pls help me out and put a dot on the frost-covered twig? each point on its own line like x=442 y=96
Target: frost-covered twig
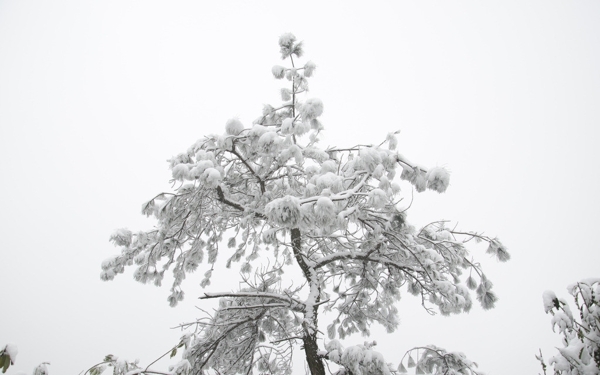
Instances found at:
x=292 y=303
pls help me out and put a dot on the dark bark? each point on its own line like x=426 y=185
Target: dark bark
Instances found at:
x=297 y=249
x=311 y=348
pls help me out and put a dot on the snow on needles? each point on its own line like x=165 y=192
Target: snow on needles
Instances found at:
x=438 y=179
x=311 y=109
x=285 y=211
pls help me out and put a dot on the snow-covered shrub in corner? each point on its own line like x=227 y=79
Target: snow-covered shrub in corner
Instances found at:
x=580 y=331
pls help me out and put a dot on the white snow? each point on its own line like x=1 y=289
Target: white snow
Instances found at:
x=234 y=126
x=548 y=297
x=287 y=126
x=211 y=177
x=180 y=172
x=392 y=141
x=278 y=71
x=121 y=237
x=330 y=181
x=311 y=109
x=284 y=211
x=286 y=39
x=438 y=179
x=309 y=68
x=378 y=198
x=269 y=142
x=368 y=159
x=12 y=351
x=286 y=94
x=324 y=211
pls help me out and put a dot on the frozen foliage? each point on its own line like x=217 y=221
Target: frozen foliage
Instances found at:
x=580 y=354
x=311 y=109
x=285 y=212
x=333 y=214
x=437 y=361
x=438 y=179
x=8 y=356
x=358 y=359
x=309 y=68
x=121 y=366
x=234 y=127
x=42 y=369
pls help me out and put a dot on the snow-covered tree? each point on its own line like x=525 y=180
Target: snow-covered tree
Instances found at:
x=268 y=197
x=580 y=354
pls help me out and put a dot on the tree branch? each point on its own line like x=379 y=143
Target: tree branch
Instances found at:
x=293 y=303
x=266 y=306
x=222 y=199
x=260 y=181
x=360 y=256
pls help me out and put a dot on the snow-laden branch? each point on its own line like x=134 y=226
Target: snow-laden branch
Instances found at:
x=293 y=303
x=342 y=195
x=223 y=199
x=260 y=306
x=361 y=256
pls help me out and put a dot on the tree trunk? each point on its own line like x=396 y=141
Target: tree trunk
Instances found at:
x=315 y=363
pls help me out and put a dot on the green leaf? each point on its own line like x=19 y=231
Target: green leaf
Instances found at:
x=173 y=352
x=6 y=359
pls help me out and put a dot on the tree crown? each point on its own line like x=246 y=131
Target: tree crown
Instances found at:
x=270 y=191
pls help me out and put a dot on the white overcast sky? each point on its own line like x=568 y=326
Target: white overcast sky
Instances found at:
x=96 y=95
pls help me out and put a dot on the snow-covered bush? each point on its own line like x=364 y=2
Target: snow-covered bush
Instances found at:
x=330 y=216
x=580 y=354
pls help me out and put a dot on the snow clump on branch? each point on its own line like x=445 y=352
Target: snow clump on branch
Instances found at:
x=324 y=211
x=438 y=179
x=289 y=47
x=234 y=127
x=358 y=359
x=309 y=68
x=285 y=211
x=278 y=71
x=311 y=109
